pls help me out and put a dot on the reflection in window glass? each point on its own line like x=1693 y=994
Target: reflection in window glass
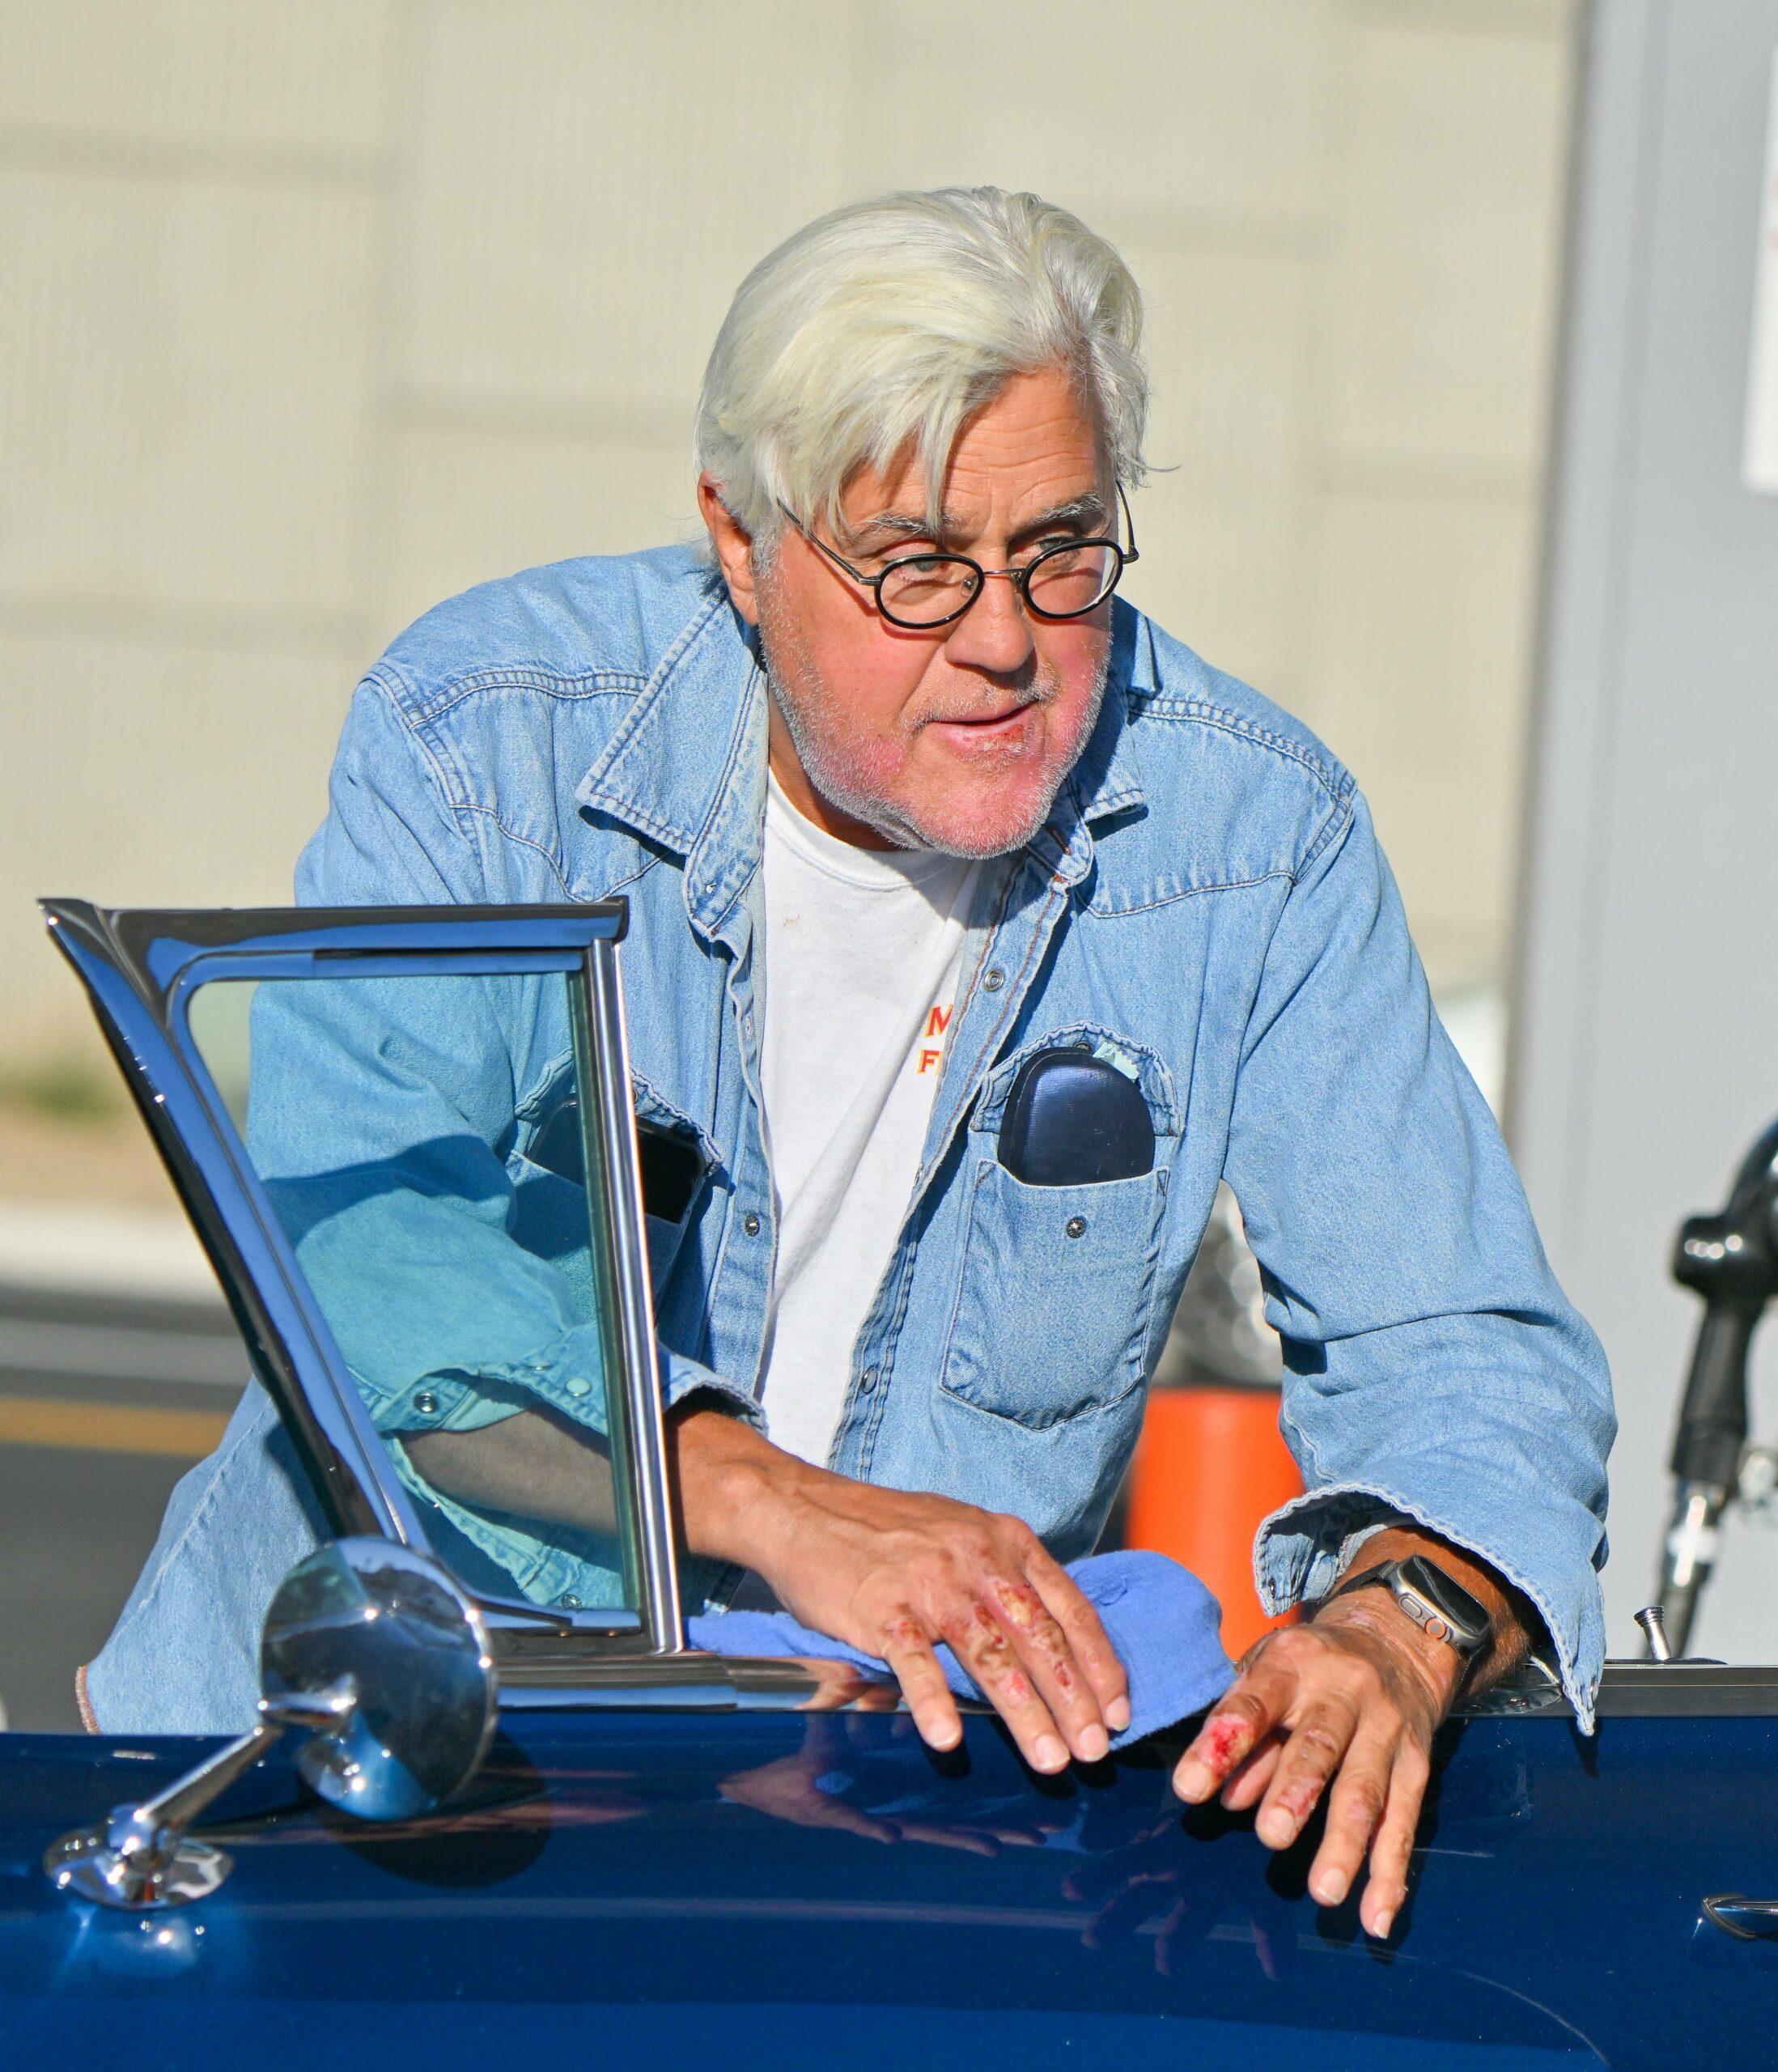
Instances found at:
x=419 y=1139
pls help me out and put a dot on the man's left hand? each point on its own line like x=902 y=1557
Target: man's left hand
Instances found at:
x=1354 y=1696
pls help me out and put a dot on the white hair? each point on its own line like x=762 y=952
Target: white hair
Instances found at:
x=875 y=331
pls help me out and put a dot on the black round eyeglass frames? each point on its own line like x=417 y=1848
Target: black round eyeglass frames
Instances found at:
x=921 y=591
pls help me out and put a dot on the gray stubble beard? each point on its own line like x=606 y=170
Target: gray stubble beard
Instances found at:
x=839 y=787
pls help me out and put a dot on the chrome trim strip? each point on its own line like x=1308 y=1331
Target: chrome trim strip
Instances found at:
x=620 y=1167
x=1645 y=1690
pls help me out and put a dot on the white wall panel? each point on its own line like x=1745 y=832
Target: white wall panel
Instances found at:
x=1418 y=645
x=1442 y=268
x=185 y=384
x=143 y=774
x=261 y=75
x=1211 y=107
x=589 y=182
x=1220 y=522
x=470 y=503
x=315 y=314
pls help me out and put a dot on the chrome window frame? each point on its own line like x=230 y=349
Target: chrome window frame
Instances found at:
x=141 y=969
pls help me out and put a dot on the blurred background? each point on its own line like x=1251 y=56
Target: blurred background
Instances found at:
x=314 y=315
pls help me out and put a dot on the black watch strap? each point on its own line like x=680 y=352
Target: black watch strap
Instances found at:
x=1437 y=1602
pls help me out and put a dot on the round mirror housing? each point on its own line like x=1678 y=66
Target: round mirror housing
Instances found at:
x=376 y=1649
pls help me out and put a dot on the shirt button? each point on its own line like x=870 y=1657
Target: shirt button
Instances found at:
x=868 y=1380
x=568 y=1601
x=427 y=1403
x=1076 y=1226
x=579 y=1385
x=993 y=979
x=750 y=1224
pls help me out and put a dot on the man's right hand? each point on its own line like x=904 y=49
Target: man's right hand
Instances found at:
x=894 y=1572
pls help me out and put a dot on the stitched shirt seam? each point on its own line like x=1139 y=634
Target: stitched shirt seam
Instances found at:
x=1197 y=891
x=1335 y=784
x=525 y=675
x=524 y=841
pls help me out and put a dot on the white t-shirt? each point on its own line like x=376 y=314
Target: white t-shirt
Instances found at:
x=863 y=950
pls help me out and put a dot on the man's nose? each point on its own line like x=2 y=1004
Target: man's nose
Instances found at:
x=994 y=634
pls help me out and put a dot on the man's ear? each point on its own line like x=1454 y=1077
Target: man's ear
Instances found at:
x=733 y=547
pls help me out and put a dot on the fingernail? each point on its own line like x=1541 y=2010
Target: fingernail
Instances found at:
x=1118 y=1713
x=1276 y=1828
x=1329 y=1889
x=1193 y=1780
x=1095 y=1744
x=1050 y=1754
x=1384 y=1923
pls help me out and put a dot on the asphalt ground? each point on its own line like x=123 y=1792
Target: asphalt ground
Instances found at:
x=105 y=1401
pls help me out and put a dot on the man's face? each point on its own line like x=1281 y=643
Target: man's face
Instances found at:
x=955 y=737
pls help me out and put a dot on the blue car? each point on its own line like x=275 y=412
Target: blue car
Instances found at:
x=477 y=1817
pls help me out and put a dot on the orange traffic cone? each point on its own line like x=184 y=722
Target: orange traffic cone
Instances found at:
x=1209 y=1466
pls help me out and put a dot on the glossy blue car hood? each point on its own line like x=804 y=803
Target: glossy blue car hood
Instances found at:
x=778 y=1889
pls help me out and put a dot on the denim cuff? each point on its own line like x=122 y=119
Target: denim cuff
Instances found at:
x=1302 y=1548
x=566 y=1375
x=683 y=1379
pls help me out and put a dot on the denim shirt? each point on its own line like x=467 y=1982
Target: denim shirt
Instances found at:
x=1207 y=904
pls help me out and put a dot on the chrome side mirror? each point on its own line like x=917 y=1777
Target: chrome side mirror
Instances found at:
x=375 y=1650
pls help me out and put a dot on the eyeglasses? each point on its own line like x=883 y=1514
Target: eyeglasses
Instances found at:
x=920 y=591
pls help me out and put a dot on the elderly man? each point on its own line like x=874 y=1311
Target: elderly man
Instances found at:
x=916 y=819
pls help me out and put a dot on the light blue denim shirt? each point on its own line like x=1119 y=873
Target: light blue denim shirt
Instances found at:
x=1207 y=905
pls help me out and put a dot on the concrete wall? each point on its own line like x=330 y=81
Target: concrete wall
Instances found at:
x=313 y=314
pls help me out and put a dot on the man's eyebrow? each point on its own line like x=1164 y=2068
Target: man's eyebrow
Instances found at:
x=1086 y=514
x=889 y=525
x=1089 y=513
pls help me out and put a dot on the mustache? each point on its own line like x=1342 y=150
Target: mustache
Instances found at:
x=991 y=706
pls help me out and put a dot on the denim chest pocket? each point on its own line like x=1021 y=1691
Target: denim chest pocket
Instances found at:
x=1055 y=1295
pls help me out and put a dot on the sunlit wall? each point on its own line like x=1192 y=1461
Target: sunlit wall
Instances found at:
x=315 y=313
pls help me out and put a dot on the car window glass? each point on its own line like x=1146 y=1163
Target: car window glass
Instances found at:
x=419 y=1141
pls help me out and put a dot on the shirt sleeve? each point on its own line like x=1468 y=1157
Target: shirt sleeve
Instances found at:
x=469 y=1326
x=1433 y=1367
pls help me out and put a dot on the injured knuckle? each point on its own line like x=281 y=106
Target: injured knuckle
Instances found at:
x=1243 y=1707
x=900 y=1630
x=975 y=1636
x=1316 y=1742
x=1019 y=1605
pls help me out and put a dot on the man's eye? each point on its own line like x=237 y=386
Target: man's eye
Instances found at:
x=1048 y=546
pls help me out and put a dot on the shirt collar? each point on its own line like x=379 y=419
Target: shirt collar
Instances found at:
x=1106 y=783
x=662 y=772
x=686 y=767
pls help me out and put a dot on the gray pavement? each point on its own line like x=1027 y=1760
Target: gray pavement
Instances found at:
x=105 y=1401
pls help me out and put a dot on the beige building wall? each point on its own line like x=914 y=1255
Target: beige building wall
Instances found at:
x=313 y=314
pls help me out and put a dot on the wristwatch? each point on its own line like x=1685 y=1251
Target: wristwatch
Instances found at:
x=1440 y=1607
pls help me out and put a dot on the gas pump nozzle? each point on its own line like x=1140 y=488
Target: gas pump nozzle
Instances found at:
x=1731 y=1260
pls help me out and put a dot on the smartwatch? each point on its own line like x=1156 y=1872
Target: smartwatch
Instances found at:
x=1440 y=1607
